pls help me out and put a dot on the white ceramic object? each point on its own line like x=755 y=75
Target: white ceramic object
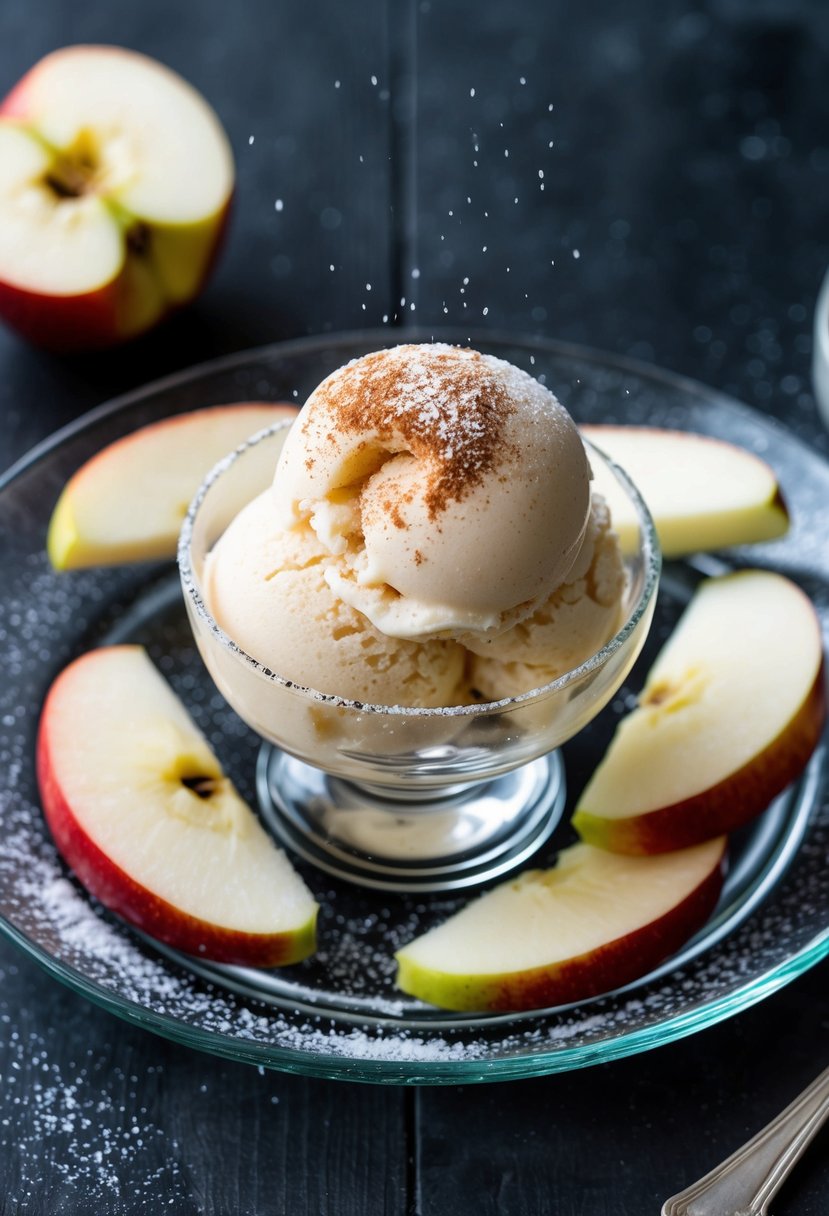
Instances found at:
x=820 y=356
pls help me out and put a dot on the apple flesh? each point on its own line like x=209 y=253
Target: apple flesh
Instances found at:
x=127 y=503
x=140 y=810
x=116 y=178
x=594 y=922
x=730 y=713
x=703 y=493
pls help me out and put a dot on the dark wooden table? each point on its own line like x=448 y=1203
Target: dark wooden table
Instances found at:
x=654 y=183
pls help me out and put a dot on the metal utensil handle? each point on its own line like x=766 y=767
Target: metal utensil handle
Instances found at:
x=745 y=1183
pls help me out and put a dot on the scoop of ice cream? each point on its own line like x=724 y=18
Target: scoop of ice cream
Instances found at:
x=267 y=589
x=451 y=487
x=572 y=624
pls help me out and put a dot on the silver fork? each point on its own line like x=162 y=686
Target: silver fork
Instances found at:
x=747 y=1181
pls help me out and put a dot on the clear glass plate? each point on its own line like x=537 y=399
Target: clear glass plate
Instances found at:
x=339 y=1014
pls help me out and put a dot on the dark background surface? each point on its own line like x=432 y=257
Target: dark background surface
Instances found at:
x=671 y=172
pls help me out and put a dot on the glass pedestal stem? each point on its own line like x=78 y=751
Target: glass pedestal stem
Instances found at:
x=445 y=840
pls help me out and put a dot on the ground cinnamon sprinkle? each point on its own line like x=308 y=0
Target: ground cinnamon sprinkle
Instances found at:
x=444 y=404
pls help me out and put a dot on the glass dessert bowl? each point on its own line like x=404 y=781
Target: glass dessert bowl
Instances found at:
x=394 y=796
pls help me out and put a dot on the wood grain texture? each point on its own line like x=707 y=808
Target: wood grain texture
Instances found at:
x=643 y=183
x=689 y=168
x=299 y=83
x=618 y=1139
x=96 y=1115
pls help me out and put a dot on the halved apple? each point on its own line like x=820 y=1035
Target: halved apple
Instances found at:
x=592 y=923
x=127 y=503
x=115 y=183
x=141 y=811
x=730 y=713
x=703 y=493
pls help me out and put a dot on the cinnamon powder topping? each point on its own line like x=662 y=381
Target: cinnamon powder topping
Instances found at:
x=446 y=405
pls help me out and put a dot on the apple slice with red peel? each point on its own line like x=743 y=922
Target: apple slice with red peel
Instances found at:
x=141 y=811
x=115 y=184
x=731 y=711
x=127 y=503
x=595 y=921
x=703 y=493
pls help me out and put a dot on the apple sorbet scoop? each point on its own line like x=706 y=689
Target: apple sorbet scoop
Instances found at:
x=428 y=501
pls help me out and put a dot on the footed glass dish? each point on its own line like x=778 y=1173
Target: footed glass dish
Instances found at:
x=393 y=796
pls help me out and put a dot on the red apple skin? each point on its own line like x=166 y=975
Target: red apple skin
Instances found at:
x=138 y=906
x=66 y=324
x=613 y=965
x=63 y=323
x=14 y=104
x=730 y=804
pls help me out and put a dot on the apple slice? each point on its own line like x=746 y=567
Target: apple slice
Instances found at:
x=730 y=713
x=115 y=184
x=140 y=810
x=127 y=503
x=592 y=923
x=703 y=493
